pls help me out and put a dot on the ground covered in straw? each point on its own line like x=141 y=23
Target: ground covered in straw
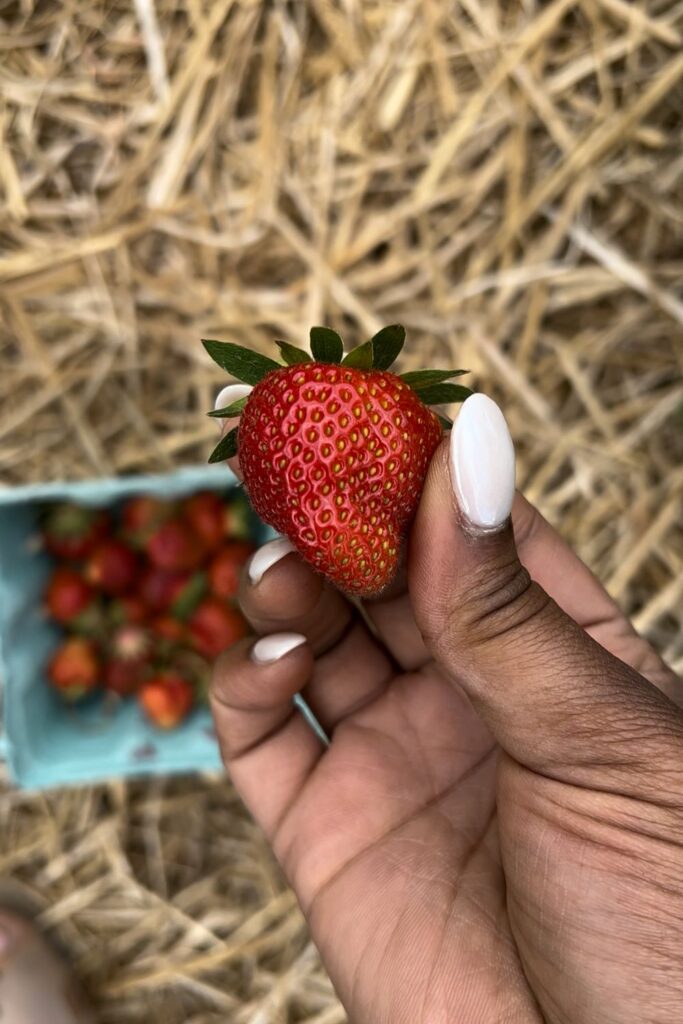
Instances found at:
x=502 y=178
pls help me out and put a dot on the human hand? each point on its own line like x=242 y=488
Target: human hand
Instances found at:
x=495 y=832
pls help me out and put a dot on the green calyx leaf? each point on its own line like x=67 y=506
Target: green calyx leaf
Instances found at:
x=190 y=596
x=442 y=394
x=291 y=354
x=226 y=447
x=230 y=410
x=387 y=345
x=444 y=421
x=360 y=358
x=326 y=345
x=422 y=378
x=247 y=366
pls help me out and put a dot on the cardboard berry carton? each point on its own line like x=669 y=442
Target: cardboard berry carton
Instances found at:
x=44 y=741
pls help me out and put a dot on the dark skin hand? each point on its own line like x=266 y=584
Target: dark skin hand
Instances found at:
x=495 y=833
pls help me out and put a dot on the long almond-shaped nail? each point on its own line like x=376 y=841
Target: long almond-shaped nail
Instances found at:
x=267 y=556
x=483 y=463
x=271 y=648
x=228 y=395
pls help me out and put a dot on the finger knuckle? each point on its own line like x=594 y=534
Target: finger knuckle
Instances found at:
x=498 y=602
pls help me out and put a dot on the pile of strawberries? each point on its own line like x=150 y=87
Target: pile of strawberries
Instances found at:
x=145 y=595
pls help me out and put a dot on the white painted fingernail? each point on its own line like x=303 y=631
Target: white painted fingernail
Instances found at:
x=228 y=395
x=483 y=463
x=271 y=648
x=266 y=557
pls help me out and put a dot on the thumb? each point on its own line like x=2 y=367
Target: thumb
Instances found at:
x=554 y=698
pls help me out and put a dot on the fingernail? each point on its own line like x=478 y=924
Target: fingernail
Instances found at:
x=228 y=395
x=483 y=463
x=271 y=648
x=266 y=557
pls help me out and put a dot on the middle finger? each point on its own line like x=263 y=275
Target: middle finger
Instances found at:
x=351 y=667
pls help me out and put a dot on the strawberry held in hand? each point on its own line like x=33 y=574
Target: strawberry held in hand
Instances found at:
x=334 y=451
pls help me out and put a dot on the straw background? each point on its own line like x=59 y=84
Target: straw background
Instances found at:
x=505 y=179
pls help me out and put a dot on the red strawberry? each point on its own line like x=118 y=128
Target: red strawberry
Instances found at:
x=67 y=595
x=129 y=609
x=167 y=628
x=205 y=512
x=215 y=626
x=167 y=699
x=226 y=567
x=71 y=531
x=346 y=455
x=112 y=566
x=197 y=670
x=123 y=676
x=175 y=547
x=129 y=660
x=180 y=592
x=159 y=588
x=141 y=516
x=74 y=668
x=335 y=456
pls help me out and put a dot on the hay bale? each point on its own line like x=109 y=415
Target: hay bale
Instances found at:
x=504 y=179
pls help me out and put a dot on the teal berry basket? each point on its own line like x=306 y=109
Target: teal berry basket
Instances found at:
x=46 y=743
